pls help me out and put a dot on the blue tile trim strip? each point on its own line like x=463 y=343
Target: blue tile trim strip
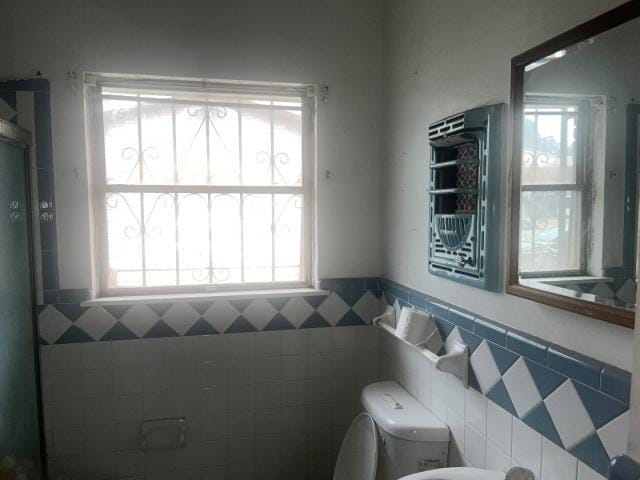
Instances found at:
x=603 y=390
x=347 y=304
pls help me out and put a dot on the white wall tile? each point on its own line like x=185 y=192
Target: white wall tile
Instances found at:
x=61 y=386
x=242 y=371
x=99 y=438
x=97 y=383
x=269 y=343
x=242 y=450
x=68 y=441
x=557 y=463
x=61 y=358
x=268 y=421
x=239 y=409
x=294 y=367
x=71 y=467
x=294 y=342
x=129 y=463
x=424 y=382
x=268 y=395
x=268 y=369
x=128 y=436
x=456 y=425
x=127 y=408
x=126 y=353
x=526 y=447
x=497 y=459
x=439 y=406
x=456 y=394
x=474 y=446
x=586 y=473
x=66 y=414
x=499 y=425
x=100 y=466
x=476 y=410
x=241 y=344
x=95 y=355
x=127 y=380
x=242 y=424
x=211 y=348
x=215 y=400
x=97 y=411
x=215 y=426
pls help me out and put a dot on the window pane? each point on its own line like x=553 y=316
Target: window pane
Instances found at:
x=256 y=146
x=160 y=239
x=178 y=233
x=193 y=238
x=157 y=143
x=550 y=231
x=124 y=240
x=224 y=146
x=257 y=233
x=191 y=144
x=288 y=237
x=226 y=242
x=287 y=139
x=120 y=119
x=549 y=148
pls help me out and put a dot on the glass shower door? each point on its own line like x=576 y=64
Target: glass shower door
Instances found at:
x=20 y=434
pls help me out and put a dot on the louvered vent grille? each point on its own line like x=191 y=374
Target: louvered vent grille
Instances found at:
x=446 y=127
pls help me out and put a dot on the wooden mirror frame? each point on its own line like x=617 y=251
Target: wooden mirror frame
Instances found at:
x=607 y=21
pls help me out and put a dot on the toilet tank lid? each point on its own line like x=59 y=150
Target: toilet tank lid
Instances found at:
x=399 y=414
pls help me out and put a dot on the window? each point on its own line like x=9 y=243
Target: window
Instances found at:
x=202 y=188
x=553 y=228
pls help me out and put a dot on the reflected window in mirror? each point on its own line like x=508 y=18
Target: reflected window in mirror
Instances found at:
x=576 y=101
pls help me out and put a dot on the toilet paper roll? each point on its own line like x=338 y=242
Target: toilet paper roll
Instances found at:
x=414 y=327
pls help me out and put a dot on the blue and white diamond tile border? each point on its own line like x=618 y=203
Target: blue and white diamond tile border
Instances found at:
x=577 y=402
x=349 y=302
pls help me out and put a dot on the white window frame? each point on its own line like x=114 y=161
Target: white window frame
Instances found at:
x=99 y=186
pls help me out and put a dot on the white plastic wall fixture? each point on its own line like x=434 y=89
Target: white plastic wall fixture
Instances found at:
x=455 y=362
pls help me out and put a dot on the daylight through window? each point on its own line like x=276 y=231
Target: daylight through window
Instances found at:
x=203 y=189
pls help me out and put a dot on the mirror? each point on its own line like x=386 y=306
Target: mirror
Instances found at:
x=576 y=111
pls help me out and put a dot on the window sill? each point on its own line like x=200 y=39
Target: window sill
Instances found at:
x=203 y=297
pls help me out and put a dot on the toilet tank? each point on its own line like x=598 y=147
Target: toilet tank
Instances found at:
x=412 y=438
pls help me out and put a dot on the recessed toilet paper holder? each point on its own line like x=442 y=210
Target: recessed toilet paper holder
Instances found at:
x=455 y=362
x=163 y=433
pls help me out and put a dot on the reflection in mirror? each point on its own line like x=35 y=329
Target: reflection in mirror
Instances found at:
x=578 y=192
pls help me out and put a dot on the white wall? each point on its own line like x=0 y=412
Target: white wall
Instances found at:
x=440 y=58
x=321 y=42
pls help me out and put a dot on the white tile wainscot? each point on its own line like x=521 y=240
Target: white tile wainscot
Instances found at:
x=267 y=405
x=484 y=435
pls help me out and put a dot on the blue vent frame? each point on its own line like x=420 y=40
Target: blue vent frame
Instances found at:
x=464 y=218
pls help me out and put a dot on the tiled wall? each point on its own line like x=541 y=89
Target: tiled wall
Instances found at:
x=265 y=405
x=530 y=403
x=350 y=302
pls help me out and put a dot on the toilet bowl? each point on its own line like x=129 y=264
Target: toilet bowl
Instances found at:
x=457 y=473
x=466 y=473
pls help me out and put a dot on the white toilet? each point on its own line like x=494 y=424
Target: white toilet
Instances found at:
x=396 y=437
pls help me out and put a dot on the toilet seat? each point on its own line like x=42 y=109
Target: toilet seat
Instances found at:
x=457 y=473
x=358 y=456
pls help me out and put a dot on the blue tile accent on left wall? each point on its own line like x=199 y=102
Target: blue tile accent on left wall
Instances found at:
x=42 y=131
